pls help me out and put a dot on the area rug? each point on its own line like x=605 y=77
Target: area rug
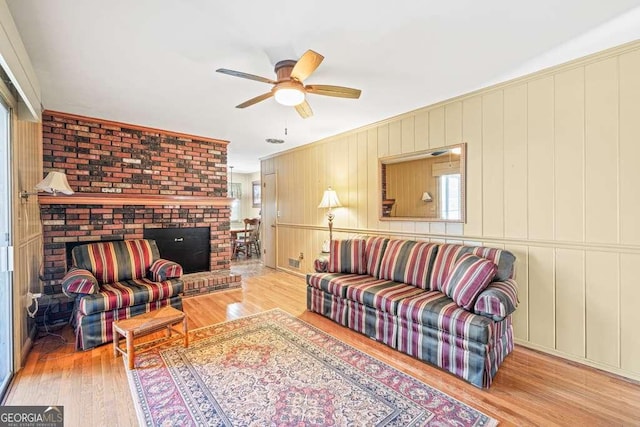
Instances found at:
x=272 y=369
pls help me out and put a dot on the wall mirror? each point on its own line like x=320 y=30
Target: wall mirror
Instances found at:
x=424 y=186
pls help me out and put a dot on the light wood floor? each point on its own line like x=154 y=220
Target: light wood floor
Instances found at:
x=529 y=389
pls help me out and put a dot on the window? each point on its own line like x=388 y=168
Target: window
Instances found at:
x=450 y=196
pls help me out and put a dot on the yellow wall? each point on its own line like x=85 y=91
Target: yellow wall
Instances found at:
x=552 y=175
x=27 y=228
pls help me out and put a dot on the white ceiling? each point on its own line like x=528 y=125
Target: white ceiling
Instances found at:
x=153 y=62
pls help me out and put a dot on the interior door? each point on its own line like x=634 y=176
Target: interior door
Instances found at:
x=269 y=220
x=6 y=255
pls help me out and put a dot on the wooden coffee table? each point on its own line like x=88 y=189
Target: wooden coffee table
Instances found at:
x=165 y=317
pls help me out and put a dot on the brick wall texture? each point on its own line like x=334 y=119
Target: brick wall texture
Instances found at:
x=102 y=157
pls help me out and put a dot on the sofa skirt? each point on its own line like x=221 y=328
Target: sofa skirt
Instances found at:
x=328 y=305
x=371 y=322
x=473 y=361
x=96 y=329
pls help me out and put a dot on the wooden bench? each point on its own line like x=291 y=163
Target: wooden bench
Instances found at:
x=165 y=317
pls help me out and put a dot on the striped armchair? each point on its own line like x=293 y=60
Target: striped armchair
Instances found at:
x=448 y=305
x=117 y=280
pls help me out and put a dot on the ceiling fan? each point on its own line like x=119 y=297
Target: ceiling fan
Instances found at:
x=289 y=89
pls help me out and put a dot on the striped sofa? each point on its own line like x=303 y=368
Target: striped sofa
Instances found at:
x=448 y=305
x=117 y=280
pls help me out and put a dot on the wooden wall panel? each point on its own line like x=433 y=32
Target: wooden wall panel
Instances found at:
x=629 y=313
x=436 y=128
x=603 y=307
x=395 y=137
x=408 y=135
x=601 y=124
x=492 y=165
x=540 y=165
x=453 y=123
x=521 y=315
x=629 y=148
x=472 y=135
x=515 y=162
x=421 y=129
x=541 y=296
x=570 y=302
x=569 y=155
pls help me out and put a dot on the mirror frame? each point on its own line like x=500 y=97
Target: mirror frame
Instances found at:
x=416 y=155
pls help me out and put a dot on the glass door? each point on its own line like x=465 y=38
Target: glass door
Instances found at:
x=6 y=255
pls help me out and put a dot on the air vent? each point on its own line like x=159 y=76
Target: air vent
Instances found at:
x=275 y=141
x=294 y=263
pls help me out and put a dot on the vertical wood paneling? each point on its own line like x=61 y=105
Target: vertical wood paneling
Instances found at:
x=541 y=297
x=569 y=155
x=472 y=135
x=492 y=165
x=570 y=309
x=540 y=165
x=629 y=148
x=453 y=123
x=629 y=313
x=551 y=158
x=363 y=179
x=421 y=131
x=515 y=162
x=601 y=124
x=436 y=128
x=521 y=315
x=408 y=135
x=395 y=137
x=603 y=307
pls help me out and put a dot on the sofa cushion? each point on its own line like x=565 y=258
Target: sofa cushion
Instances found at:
x=163 y=269
x=116 y=261
x=498 y=300
x=128 y=293
x=470 y=275
x=321 y=265
x=380 y=294
x=347 y=256
x=448 y=255
x=374 y=249
x=437 y=311
x=408 y=261
x=336 y=283
x=79 y=281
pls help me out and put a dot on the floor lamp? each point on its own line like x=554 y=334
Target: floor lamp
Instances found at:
x=330 y=200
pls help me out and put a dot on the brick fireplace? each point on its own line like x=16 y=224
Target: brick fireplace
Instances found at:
x=127 y=179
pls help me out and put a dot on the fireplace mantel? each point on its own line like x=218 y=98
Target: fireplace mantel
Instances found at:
x=109 y=199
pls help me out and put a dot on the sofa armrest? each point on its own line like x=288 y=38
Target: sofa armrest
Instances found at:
x=498 y=300
x=78 y=281
x=163 y=269
x=321 y=265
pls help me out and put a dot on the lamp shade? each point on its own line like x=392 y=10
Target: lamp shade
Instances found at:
x=426 y=197
x=329 y=199
x=55 y=182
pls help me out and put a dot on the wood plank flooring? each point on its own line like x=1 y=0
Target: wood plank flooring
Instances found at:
x=530 y=388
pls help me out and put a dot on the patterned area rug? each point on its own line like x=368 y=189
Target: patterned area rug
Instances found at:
x=273 y=369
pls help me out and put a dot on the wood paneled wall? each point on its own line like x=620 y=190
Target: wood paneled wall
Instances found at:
x=552 y=176
x=27 y=228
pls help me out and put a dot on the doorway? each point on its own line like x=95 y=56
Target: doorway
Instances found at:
x=6 y=254
x=269 y=220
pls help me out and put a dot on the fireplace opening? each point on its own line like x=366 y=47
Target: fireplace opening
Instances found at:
x=189 y=247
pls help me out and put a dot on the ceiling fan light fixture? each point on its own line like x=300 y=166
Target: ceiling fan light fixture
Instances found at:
x=289 y=96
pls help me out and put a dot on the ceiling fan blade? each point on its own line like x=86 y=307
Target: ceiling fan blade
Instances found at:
x=245 y=75
x=255 y=100
x=328 y=90
x=306 y=65
x=304 y=109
